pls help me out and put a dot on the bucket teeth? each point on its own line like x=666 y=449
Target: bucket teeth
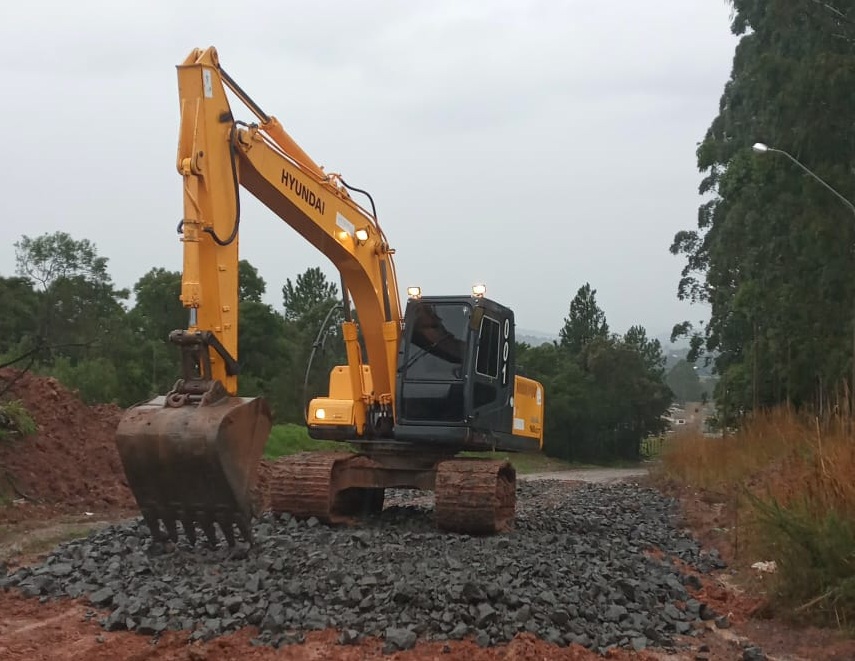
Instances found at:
x=245 y=530
x=153 y=522
x=207 y=521
x=194 y=464
x=189 y=527
x=207 y=525
x=227 y=526
x=171 y=529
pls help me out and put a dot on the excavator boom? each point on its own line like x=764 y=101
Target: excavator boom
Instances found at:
x=191 y=456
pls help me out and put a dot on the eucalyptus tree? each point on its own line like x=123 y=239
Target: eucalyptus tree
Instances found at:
x=773 y=253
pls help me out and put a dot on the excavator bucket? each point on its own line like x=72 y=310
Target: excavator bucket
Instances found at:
x=194 y=464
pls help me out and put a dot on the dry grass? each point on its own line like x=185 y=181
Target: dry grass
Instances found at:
x=790 y=480
x=778 y=455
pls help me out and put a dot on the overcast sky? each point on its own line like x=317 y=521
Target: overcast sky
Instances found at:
x=530 y=145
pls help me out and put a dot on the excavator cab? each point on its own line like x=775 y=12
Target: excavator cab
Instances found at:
x=456 y=384
x=456 y=373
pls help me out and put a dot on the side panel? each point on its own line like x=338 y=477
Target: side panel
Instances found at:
x=336 y=417
x=528 y=409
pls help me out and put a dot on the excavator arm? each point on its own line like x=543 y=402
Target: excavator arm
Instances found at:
x=191 y=456
x=217 y=155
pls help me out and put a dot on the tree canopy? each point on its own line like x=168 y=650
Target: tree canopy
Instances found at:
x=772 y=252
x=604 y=392
x=585 y=322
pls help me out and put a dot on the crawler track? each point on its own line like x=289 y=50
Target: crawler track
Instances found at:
x=473 y=496
x=302 y=485
x=334 y=487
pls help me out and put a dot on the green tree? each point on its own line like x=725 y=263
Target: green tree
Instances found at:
x=262 y=348
x=303 y=298
x=251 y=285
x=96 y=379
x=310 y=331
x=18 y=322
x=631 y=398
x=772 y=253
x=585 y=322
x=156 y=313
x=79 y=306
x=684 y=382
x=569 y=398
x=649 y=350
x=604 y=393
x=50 y=258
x=79 y=330
x=157 y=307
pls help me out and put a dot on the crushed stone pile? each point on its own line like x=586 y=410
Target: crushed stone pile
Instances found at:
x=71 y=461
x=577 y=568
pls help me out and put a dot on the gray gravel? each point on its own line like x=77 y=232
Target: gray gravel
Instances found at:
x=572 y=571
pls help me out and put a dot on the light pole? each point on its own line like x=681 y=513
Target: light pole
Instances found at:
x=762 y=148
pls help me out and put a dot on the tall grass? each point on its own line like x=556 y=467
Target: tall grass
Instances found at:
x=792 y=480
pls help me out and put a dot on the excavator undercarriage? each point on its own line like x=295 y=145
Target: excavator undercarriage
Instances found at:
x=473 y=496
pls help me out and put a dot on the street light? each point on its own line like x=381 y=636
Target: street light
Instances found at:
x=762 y=148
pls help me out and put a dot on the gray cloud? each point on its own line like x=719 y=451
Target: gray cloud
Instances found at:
x=531 y=145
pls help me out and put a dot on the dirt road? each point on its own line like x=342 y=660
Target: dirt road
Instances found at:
x=594 y=475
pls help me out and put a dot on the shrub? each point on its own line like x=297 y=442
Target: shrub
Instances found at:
x=15 y=420
x=815 y=558
x=790 y=477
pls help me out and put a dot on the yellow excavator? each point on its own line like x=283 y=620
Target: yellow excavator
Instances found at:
x=420 y=386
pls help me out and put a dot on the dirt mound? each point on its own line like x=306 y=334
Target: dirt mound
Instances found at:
x=72 y=461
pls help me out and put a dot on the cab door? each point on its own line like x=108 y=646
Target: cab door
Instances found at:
x=492 y=370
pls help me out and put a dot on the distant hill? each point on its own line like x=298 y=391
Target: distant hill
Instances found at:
x=533 y=337
x=673 y=352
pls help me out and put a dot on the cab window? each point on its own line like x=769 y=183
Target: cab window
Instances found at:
x=487 y=359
